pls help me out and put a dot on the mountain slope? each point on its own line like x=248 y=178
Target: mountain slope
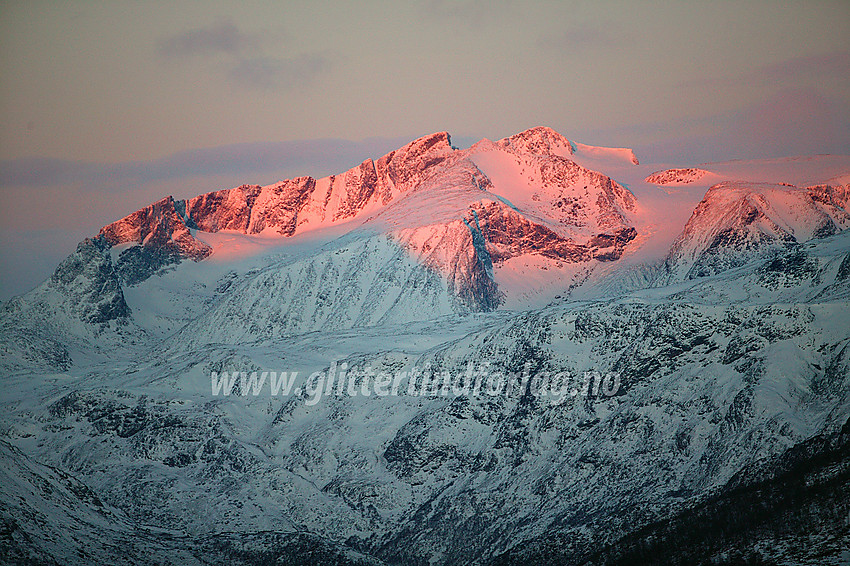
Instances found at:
x=456 y=219
x=797 y=512
x=736 y=221
x=502 y=354
x=705 y=390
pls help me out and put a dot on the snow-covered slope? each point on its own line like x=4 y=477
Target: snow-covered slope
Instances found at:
x=422 y=232
x=736 y=221
x=48 y=517
x=576 y=351
x=714 y=374
x=79 y=313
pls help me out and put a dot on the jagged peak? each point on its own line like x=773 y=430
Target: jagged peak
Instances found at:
x=437 y=143
x=129 y=228
x=539 y=140
x=160 y=226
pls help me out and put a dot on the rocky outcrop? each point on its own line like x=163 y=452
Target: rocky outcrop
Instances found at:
x=158 y=225
x=683 y=176
x=251 y=209
x=162 y=236
x=538 y=141
x=508 y=234
x=834 y=198
x=358 y=186
x=90 y=283
x=304 y=202
x=403 y=169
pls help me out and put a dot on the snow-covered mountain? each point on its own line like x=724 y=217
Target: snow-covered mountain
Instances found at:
x=736 y=221
x=663 y=338
x=429 y=231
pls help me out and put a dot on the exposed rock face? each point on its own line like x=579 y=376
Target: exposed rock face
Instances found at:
x=90 y=283
x=82 y=299
x=251 y=209
x=163 y=238
x=508 y=234
x=538 y=141
x=436 y=223
x=535 y=172
x=162 y=229
x=305 y=202
x=835 y=197
x=403 y=169
x=158 y=225
x=457 y=250
x=683 y=176
x=594 y=196
x=359 y=185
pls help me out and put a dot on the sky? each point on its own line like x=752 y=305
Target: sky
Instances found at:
x=108 y=106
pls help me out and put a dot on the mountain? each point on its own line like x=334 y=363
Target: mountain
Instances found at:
x=736 y=220
x=430 y=231
x=528 y=351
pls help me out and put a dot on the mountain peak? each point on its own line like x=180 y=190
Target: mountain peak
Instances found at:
x=541 y=204
x=438 y=141
x=158 y=225
x=737 y=221
x=540 y=140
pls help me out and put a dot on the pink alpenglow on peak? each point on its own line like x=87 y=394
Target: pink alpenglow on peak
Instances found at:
x=303 y=203
x=540 y=140
x=464 y=214
x=158 y=225
x=683 y=176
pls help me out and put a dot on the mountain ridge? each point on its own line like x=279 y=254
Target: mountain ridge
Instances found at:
x=682 y=374
x=537 y=206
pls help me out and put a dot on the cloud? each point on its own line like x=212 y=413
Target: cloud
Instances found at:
x=797 y=70
x=801 y=109
x=795 y=121
x=222 y=37
x=242 y=59
x=789 y=122
x=300 y=157
x=579 y=38
x=271 y=72
x=835 y=64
